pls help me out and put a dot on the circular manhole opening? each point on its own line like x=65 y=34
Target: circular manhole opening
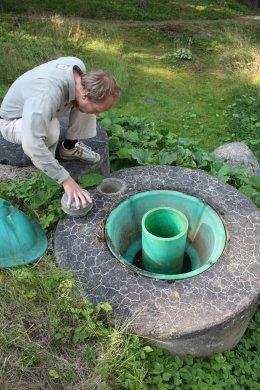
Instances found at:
x=111 y=186
x=205 y=241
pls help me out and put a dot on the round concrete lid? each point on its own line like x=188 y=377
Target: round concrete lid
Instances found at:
x=73 y=211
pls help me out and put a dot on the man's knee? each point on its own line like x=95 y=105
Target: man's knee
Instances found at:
x=53 y=132
x=51 y=138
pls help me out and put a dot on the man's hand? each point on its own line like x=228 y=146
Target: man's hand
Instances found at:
x=73 y=190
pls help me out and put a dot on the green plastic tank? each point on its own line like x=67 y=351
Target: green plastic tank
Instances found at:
x=22 y=240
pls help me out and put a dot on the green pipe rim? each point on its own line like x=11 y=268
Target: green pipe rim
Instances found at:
x=183 y=217
x=214 y=257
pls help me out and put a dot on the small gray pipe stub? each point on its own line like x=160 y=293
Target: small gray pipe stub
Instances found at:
x=111 y=186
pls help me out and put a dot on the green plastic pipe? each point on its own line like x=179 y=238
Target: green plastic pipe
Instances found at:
x=164 y=235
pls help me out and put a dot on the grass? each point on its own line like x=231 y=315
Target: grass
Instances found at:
x=188 y=98
x=51 y=338
x=120 y=9
x=48 y=336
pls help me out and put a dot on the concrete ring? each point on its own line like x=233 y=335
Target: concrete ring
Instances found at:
x=199 y=316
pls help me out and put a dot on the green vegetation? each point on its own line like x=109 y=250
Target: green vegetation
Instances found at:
x=120 y=9
x=245 y=120
x=183 y=54
x=40 y=196
x=189 y=98
x=131 y=142
x=172 y=112
x=52 y=338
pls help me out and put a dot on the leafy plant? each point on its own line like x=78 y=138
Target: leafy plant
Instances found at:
x=183 y=54
x=53 y=335
x=40 y=195
x=90 y=180
x=49 y=324
x=244 y=114
x=133 y=140
x=252 y=189
x=233 y=369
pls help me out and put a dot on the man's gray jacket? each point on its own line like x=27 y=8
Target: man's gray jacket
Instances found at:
x=37 y=97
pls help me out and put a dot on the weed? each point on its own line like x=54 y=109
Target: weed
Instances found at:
x=40 y=196
x=244 y=114
x=51 y=332
x=183 y=54
x=132 y=141
x=233 y=369
x=54 y=338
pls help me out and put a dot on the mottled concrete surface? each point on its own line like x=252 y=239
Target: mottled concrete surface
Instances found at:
x=10 y=172
x=15 y=164
x=202 y=315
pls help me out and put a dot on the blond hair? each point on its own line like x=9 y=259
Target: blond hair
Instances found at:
x=100 y=85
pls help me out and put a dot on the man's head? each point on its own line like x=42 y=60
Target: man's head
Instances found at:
x=96 y=91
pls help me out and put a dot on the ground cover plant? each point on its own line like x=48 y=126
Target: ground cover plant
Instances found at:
x=52 y=338
x=157 y=10
x=245 y=121
x=131 y=142
x=173 y=111
x=189 y=98
x=40 y=196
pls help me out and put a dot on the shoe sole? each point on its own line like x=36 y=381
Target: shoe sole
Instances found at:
x=78 y=158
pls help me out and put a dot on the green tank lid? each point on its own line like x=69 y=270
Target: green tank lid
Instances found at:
x=22 y=240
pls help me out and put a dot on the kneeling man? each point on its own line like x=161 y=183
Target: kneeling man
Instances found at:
x=37 y=99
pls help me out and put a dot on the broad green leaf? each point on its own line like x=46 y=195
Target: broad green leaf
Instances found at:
x=224 y=172
x=185 y=142
x=185 y=374
x=123 y=152
x=158 y=368
x=141 y=155
x=114 y=144
x=142 y=355
x=106 y=307
x=131 y=136
x=90 y=180
x=166 y=376
x=156 y=380
x=189 y=360
x=167 y=158
x=106 y=123
x=39 y=199
x=148 y=349
x=118 y=120
x=50 y=182
x=80 y=334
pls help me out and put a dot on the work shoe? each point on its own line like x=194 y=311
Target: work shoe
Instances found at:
x=80 y=152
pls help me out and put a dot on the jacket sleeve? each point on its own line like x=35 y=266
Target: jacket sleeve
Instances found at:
x=38 y=111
